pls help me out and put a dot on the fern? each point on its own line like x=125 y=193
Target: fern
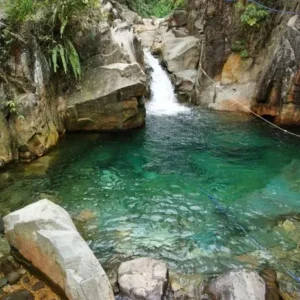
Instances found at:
x=74 y=59
x=63 y=58
x=54 y=58
x=54 y=32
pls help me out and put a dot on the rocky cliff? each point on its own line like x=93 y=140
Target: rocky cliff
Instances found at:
x=37 y=106
x=267 y=78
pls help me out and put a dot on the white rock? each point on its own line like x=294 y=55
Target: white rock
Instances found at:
x=44 y=233
x=143 y=278
x=239 y=285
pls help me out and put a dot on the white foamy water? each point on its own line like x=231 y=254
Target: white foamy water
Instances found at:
x=163 y=99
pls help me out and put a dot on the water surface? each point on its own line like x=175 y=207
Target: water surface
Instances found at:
x=201 y=190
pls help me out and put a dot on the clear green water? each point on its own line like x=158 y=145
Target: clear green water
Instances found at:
x=148 y=190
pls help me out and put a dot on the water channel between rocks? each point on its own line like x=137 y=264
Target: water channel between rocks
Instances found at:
x=149 y=188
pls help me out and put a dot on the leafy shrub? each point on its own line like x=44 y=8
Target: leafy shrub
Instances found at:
x=244 y=54
x=253 y=15
x=238 y=46
x=20 y=10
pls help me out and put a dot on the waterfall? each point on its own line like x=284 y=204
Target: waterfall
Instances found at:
x=163 y=99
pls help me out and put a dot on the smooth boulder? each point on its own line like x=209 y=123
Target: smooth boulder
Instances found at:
x=241 y=285
x=180 y=54
x=44 y=234
x=143 y=278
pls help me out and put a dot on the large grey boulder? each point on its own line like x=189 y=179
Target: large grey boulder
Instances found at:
x=143 y=279
x=185 y=83
x=45 y=235
x=241 y=285
x=109 y=100
x=181 y=54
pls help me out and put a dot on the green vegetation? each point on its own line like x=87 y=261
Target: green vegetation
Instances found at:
x=240 y=46
x=254 y=21
x=253 y=15
x=11 y=105
x=52 y=22
x=157 y=8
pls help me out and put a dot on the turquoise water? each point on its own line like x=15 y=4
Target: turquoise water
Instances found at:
x=149 y=191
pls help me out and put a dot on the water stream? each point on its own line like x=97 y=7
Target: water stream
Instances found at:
x=149 y=188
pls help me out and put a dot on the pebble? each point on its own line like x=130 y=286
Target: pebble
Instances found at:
x=7 y=267
x=3 y=282
x=14 y=277
x=26 y=279
x=19 y=295
x=38 y=285
x=43 y=295
x=23 y=271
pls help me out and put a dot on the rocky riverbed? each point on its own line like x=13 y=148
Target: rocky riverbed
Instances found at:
x=35 y=234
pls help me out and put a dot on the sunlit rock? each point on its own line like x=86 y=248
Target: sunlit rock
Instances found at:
x=288 y=226
x=45 y=235
x=240 y=285
x=143 y=278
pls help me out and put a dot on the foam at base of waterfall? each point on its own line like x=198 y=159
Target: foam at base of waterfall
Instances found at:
x=163 y=99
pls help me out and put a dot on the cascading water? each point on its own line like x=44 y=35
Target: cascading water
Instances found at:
x=163 y=99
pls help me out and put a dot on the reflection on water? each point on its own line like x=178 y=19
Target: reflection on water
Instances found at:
x=149 y=190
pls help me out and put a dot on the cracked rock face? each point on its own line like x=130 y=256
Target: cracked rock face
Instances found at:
x=45 y=235
x=143 y=278
x=240 y=285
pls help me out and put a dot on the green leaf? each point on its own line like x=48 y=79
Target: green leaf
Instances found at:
x=63 y=58
x=54 y=58
x=74 y=59
x=63 y=26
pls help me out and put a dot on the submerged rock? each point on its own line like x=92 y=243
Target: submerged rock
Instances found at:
x=187 y=287
x=270 y=277
x=143 y=278
x=45 y=235
x=288 y=290
x=241 y=285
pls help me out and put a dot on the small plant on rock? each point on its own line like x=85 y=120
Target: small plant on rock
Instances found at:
x=253 y=15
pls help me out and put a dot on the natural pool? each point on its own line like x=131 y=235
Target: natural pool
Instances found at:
x=148 y=189
x=205 y=191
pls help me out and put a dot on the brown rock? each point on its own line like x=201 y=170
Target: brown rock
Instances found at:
x=14 y=277
x=26 y=279
x=19 y=295
x=38 y=285
x=270 y=278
